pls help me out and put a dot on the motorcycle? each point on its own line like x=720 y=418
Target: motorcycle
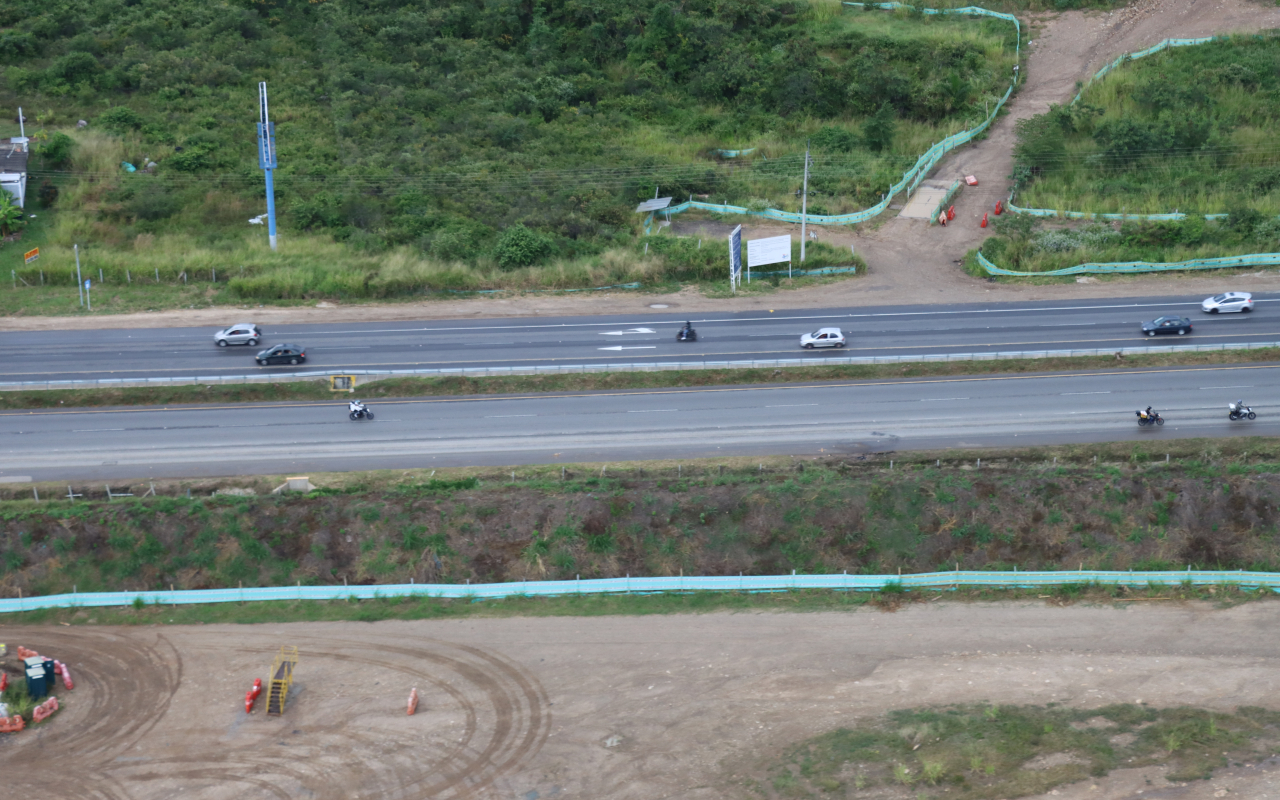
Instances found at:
x=361 y=411
x=1153 y=418
x=1238 y=410
x=687 y=334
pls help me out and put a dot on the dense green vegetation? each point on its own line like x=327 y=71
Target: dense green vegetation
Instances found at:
x=1198 y=509
x=514 y=138
x=1193 y=129
x=973 y=752
x=1024 y=244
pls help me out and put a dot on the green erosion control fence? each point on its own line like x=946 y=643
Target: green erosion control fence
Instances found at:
x=932 y=581
x=910 y=179
x=1165 y=45
x=952 y=191
x=1254 y=260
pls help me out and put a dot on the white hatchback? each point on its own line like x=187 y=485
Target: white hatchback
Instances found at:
x=822 y=337
x=1228 y=302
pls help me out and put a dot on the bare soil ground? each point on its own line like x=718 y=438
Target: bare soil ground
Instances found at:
x=909 y=260
x=606 y=707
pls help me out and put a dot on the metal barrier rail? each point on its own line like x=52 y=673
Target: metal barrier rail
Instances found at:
x=1225 y=262
x=667 y=366
x=934 y=581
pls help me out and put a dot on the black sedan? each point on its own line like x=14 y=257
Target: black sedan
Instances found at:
x=1178 y=325
x=282 y=354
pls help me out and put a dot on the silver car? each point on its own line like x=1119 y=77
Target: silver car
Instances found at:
x=822 y=337
x=1228 y=302
x=240 y=333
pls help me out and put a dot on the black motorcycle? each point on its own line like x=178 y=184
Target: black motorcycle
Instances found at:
x=687 y=334
x=1153 y=418
x=360 y=412
x=1238 y=410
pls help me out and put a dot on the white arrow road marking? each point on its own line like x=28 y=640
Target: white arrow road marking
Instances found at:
x=624 y=333
x=637 y=347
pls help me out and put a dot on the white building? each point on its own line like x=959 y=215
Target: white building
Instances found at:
x=13 y=167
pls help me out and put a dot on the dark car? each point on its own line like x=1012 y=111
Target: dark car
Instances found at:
x=282 y=354
x=1178 y=325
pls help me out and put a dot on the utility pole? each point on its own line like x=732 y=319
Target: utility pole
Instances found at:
x=804 y=203
x=267 y=158
x=79 y=282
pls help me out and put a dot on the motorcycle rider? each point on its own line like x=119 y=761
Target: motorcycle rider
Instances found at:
x=1147 y=414
x=356 y=407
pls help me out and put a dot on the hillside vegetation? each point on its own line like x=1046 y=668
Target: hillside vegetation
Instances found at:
x=664 y=520
x=1194 y=129
x=478 y=139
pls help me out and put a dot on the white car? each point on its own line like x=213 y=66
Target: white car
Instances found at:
x=822 y=337
x=241 y=333
x=1227 y=302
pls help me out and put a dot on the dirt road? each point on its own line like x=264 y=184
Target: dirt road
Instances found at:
x=524 y=708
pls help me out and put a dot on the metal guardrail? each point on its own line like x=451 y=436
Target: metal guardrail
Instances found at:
x=560 y=369
x=934 y=581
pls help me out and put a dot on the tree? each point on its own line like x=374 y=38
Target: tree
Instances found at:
x=878 y=130
x=1041 y=143
x=519 y=247
x=10 y=214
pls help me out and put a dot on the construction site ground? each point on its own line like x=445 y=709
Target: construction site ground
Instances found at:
x=604 y=708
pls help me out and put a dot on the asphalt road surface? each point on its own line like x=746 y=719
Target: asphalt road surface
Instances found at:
x=905 y=330
x=840 y=418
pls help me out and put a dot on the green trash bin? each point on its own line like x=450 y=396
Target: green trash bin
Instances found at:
x=37 y=686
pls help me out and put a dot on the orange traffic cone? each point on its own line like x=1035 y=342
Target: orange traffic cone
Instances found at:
x=942 y=218
x=984 y=221
x=951 y=212
x=999 y=207
x=413 y=701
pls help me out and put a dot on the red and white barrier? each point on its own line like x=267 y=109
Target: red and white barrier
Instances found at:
x=251 y=696
x=413 y=701
x=45 y=710
x=25 y=653
x=61 y=669
x=4 y=681
x=13 y=724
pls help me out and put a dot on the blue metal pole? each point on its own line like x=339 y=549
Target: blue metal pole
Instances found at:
x=271 y=211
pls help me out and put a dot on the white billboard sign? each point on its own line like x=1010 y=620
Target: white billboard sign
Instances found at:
x=773 y=250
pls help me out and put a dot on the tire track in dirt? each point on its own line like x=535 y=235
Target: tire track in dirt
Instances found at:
x=504 y=723
x=124 y=687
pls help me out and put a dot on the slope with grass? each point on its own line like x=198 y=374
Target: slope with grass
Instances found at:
x=1191 y=129
x=474 y=139
x=1202 y=508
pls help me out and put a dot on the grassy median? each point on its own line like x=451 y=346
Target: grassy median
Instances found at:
x=455 y=385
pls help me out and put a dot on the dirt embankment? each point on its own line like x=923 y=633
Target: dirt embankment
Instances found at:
x=827 y=518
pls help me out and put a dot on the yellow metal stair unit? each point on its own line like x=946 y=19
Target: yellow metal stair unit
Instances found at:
x=281 y=679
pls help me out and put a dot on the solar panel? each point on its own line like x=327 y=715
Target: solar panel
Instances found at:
x=656 y=204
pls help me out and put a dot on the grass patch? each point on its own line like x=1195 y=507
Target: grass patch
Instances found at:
x=1188 y=129
x=1210 y=507
x=976 y=752
x=450 y=386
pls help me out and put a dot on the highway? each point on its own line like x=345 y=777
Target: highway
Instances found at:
x=850 y=418
x=896 y=330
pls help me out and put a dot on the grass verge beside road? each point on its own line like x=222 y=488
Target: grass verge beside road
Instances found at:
x=455 y=385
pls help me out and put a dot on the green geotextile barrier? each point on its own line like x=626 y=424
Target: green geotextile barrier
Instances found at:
x=933 y=581
x=1049 y=212
x=910 y=179
x=1254 y=260
x=735 y=153
x=945 y=201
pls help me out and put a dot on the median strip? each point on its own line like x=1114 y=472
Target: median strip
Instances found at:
x=383 y=384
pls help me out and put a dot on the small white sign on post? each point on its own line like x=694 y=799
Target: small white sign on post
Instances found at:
x=773 y=250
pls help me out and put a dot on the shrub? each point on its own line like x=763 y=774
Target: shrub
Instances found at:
x=835 y=139
x=47 y=194
x=878 y=131
x=56 y=150
x=519 y=247
x=120 y=119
